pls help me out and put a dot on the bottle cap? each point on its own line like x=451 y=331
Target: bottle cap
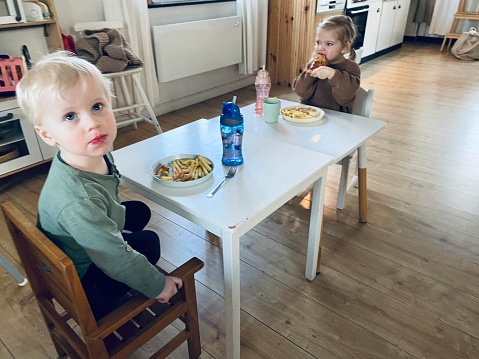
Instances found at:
x=262 y=77
x=232 y=112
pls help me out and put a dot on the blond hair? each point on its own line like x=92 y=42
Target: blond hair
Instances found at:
x=344 y=27
x=52 y=75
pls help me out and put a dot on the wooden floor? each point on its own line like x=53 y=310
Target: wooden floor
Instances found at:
x=404 y=285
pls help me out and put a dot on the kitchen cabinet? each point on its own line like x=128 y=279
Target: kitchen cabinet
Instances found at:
x=51 y=29
x=19 y=145
x=392 y=25
x=20 y=148
x=372 y=27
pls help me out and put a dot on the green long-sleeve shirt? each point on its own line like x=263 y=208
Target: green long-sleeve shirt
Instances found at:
x=81 y=213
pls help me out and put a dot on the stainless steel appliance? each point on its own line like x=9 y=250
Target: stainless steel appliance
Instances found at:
x=358 y=11
x=326 y=6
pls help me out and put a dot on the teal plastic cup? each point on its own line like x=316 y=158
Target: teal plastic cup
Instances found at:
x=271 y=110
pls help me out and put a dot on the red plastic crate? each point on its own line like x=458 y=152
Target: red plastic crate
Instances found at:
x=11 y=71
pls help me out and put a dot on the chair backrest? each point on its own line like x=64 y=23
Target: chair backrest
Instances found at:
x=54 y=279
x=364 y=102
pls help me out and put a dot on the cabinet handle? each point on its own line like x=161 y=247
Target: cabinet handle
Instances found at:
x=394 y=7
x=399 y=6
x=7 y=117
x=378 y=10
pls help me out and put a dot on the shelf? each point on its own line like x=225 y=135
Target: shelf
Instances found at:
x=20 y=25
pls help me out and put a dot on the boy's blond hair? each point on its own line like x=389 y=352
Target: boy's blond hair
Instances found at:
x=51 y=76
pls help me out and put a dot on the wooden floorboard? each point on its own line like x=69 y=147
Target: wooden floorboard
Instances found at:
x=404 y=285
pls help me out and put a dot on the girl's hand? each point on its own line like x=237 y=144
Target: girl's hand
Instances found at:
x=172 y=284
x=323 y=73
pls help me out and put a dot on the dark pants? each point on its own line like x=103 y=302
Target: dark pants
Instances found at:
x=104 y=293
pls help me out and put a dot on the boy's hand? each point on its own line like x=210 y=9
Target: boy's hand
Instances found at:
x=172 y=284
x=323 y=73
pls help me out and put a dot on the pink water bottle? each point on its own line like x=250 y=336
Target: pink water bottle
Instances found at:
x=263 y=85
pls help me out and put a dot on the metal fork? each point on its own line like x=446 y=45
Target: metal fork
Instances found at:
x=230 y=174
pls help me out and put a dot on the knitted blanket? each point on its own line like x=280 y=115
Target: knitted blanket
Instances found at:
x=107 y=49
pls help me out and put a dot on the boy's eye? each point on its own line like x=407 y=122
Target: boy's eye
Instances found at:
x=71 y=116
x=97 y=107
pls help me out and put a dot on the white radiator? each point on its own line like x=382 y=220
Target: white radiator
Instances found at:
x=191 y=48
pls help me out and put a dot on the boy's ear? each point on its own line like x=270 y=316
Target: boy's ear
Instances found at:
x=45 y=136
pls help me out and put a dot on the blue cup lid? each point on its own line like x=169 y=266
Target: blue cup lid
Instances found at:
x=231 y=111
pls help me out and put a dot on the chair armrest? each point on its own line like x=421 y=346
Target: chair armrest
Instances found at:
x=138 y=303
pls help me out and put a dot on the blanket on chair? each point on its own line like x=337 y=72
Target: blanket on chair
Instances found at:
x=107 y=49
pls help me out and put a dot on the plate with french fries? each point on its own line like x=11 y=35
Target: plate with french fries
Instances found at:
x=183 y=170
x=302 y=113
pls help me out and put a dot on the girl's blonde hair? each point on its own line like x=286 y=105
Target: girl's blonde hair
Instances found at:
x=344 y=27
x=52 y=75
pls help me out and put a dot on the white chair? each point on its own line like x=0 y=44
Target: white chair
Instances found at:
x=362 y=107
x=128 y=109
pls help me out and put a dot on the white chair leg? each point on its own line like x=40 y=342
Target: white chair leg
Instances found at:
x=353 y=182
x=151 y=113
x=343 y=182
x=126 y=95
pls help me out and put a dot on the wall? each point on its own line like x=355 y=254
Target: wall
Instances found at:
x=175 y=94
x=421 y=29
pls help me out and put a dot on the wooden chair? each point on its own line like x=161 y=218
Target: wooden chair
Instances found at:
x=134 y=97
x=362 y=107
x=55 y=283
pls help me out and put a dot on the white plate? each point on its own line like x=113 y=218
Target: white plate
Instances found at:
x=167 y=162
x=303 y=120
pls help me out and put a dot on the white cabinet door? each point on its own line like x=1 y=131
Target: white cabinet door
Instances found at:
x=400 y=21
x=372 y=28
x=20 y=140
x=386 y=24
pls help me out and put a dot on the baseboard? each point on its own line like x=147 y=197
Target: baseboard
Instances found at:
x=202 y=96
x=380 y=53
x=429 y=39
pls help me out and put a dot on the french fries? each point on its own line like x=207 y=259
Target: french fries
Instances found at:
x=186 y=169
x=300 y=112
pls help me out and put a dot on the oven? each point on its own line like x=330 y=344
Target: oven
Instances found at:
x=358 y=10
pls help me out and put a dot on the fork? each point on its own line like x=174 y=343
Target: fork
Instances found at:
x=230 y=174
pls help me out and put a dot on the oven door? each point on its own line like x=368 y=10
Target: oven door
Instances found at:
x=359 y=15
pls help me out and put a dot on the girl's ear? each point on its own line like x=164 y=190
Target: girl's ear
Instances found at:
x=45 y=136
x=346 y=48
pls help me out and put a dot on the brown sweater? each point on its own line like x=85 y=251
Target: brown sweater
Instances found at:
x=337 y=94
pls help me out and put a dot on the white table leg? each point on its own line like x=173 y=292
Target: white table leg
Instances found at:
x=315 y=226
x=232 y=294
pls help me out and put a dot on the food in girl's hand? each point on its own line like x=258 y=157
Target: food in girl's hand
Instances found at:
x=186 y=169
x=319 y=60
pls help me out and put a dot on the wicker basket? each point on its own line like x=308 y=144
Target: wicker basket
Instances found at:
x=8 y=152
